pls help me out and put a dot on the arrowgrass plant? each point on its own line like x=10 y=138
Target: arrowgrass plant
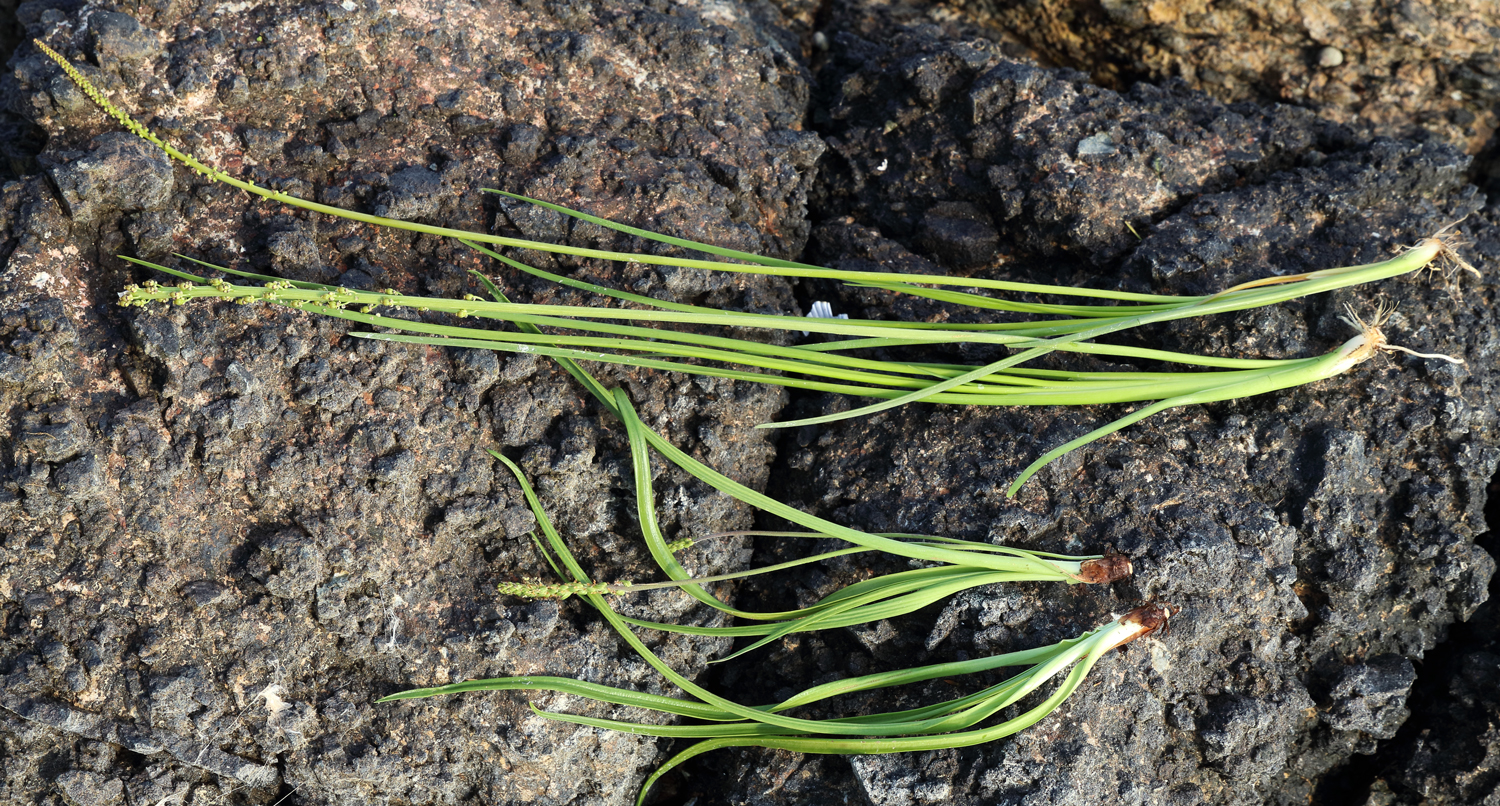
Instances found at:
x=624 y=337
x=725 y=723
x=964 y=564
x=948 y=724
x=643 y=337
x=634 y=345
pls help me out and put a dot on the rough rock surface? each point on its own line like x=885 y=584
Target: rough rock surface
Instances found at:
x=228 y=530
x=1393 y=67
x=1449 y=751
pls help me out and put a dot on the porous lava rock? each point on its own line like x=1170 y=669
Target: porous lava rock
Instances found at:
x=1390 y=67
x=228 y=529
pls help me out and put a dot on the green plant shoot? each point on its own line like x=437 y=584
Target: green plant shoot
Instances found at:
x=730 y=724
x=829 y=366
x=637 y=346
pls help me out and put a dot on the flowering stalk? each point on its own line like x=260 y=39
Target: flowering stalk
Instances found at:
x=882 y=597
x=963 y=564
x=631 y=345
x=730 y=724
x=827 y=367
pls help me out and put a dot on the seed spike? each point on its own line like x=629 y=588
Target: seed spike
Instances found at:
x=135 y=127
x=532 y=588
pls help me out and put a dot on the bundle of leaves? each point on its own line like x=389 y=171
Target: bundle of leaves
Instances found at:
x=719 y=722
x=647 y=332
x=668 y=335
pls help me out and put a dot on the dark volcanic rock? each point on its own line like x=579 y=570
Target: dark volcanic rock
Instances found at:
x=118 y=172
x=120 y=37
x=1392 y=67
x=1368 y=697
x=228 y=529
x=927 y=125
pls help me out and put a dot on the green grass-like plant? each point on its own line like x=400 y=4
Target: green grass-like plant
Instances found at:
x=721 y=722
x=965 y=563
x=639 y=346
x=961 y=565
x=724 y=723
x=644 y=336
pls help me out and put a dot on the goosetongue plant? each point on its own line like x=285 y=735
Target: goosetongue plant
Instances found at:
x=722 y=722
x=955 y=565
x=960 y=564
x=644 y=336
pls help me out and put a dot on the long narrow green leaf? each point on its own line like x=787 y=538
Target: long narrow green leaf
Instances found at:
x=1410 y=261
x=1309 y=372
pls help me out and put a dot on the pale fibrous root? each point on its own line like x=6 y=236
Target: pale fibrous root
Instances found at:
x=1448 y=261
x=1371 y=340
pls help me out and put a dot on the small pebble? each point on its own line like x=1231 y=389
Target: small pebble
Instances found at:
x=1330 y=57
x=1097 y=145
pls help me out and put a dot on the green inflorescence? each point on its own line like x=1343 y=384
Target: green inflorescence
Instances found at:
x=532 y=588
x=666 y=335
x=602 y=337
